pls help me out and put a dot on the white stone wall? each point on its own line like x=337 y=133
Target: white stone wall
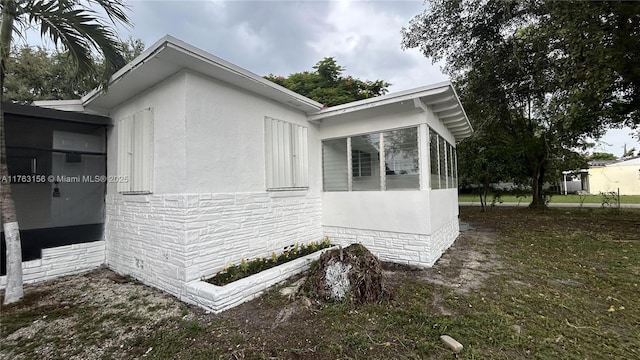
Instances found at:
x=220 y=298
x=224 y=228
x=404 y=248
x=169 y=240
x=443 y=238
x=60 y=261
x=145 y=237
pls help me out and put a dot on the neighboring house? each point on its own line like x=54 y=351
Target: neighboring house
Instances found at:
x=208 y=163
x=611 y=176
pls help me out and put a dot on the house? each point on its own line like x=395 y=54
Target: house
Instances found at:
x=612 y=176
x=208 y=163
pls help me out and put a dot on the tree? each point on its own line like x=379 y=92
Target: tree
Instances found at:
x=328 y=86
x=549 y=73
x=628 y=153
x=80 y=29
x=34 y=73
x=600 y=156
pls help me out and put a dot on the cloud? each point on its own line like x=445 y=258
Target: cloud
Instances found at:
x=366 y=39
x=283 y=37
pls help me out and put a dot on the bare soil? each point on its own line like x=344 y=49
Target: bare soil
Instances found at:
x=101 y=314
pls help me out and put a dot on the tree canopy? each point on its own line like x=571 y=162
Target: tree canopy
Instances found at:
x=537 y=76
x=327 y=85
x=600 y=156
x=35 y=73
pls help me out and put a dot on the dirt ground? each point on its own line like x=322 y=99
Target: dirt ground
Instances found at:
x=100 y=314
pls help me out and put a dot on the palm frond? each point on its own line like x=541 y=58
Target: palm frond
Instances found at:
x=115 y=10
x=80 y=30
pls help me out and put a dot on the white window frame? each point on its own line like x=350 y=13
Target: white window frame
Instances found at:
x=135 y=153
x=381 y=161
x=286 y=155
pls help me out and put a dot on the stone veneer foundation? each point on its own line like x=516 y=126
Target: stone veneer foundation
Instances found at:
x=404 y=248
x=61 y=261
x=170 y=240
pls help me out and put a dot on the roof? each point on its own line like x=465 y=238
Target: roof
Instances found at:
x=170 y=55
x=441 y=98
x=629 y=161
x=54 y=114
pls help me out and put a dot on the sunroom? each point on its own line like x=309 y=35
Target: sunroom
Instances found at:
x=389 y=172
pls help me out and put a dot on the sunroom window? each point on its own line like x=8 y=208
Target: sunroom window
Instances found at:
x=372 y=162
x=365 y=162
x=443 y=163
x=401 y=159
x=335 y=165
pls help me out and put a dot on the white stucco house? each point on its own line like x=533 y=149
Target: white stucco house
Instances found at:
x=209 y=163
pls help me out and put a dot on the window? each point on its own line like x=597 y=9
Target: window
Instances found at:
x=360 y=163
x=442 y=157
x=135 y=153
x=287 y=155
x=401 y=159
x=335 y=175
x=372 y=162
x=451 y=166
x=433 y=159
x=443 y=162
x=365 y=162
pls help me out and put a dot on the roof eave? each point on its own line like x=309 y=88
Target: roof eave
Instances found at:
x=439 y=97
x=179 y=45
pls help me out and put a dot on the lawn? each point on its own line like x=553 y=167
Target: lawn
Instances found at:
x=557 y=198
x=558 y=284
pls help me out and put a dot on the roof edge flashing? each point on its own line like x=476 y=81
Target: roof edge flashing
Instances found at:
x=132 y=65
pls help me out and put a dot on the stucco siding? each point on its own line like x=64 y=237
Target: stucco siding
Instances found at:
x=614 y=177
x=226 y=140
x=167 y=99
x=443 y=206
x=395 y=211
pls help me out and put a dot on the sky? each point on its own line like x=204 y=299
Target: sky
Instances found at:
x=285 y=37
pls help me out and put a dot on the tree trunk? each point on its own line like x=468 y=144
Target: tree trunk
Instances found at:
x=14 y=290
x=537 y=184
x=483 y=194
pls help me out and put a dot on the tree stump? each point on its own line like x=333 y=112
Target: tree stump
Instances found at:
x=351 y=274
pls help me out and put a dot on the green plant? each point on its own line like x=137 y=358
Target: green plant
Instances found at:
x=582 y=198
x=246 y=268
x=497 y=199
x=609 y=199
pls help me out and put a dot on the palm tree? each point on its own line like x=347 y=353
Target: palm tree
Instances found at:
x=80 y=29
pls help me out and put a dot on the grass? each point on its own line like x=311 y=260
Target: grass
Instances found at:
x=557 y=199
x=564 y=284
